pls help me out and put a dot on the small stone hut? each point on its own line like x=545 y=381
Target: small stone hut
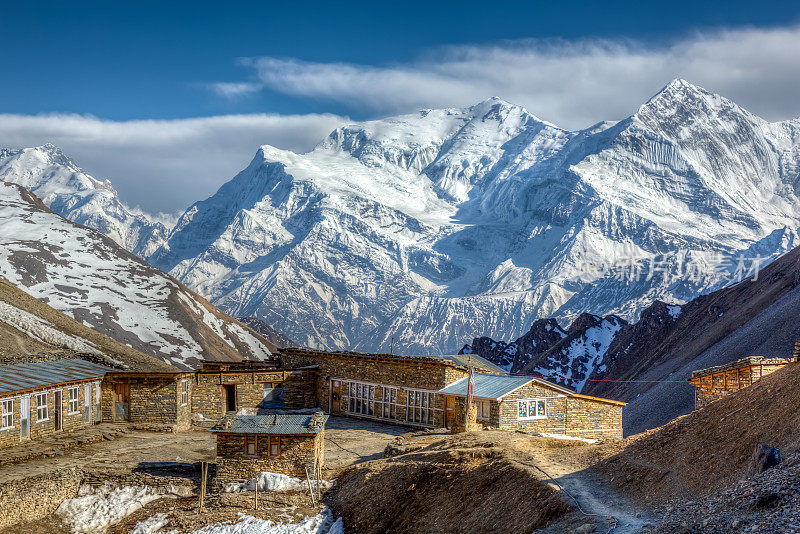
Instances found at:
x=44 y=398
x=150 y=400
x=530 y=404
x=716 y=382
x=386 y=387
x=292 y=444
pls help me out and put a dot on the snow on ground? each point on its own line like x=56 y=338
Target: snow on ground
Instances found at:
x=674 y=311
x=153 y=525
x=564 y=436
x=319 y=524
x=273 y=482
x=95 y=509
x=43 y=330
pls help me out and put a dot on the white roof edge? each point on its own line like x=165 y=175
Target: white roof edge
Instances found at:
x=542 y=381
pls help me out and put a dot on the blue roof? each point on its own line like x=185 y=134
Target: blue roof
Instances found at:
x=273 y=424
x=25 y=376
x=487 y=386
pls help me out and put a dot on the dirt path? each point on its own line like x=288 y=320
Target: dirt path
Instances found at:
x=567 y=469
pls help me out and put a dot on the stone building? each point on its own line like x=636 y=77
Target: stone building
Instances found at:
x=223 y=387
x=154 y=401
x=529 y=404
x=40 y=399
x=292 y=444
x=386 y=387
x=716 y=382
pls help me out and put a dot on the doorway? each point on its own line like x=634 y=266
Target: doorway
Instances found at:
x=229 y=397
x=57 y=409
x=24 y=417
x=449 y=410
x=122 y=399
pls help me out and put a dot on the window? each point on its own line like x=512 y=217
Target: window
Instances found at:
x=273 y=394
x=250 y=446
x=265 y=446
x=73 y=400
x=531 y=409
x=274 y=445
x=361 y=398
x=420 y=407
x=8 y=414
x=41 y=407
x=484 y=410
x=389 y=403
x=184 y=392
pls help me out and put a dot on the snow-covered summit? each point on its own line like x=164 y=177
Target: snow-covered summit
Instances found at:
x=72 y=193
x=443 y=225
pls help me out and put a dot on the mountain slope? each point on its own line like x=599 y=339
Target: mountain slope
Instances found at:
x=456 y=223
x=33 y=331
x=89 y=277
x=73 y=194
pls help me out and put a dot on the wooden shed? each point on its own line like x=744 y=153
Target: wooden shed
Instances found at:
x=716 y=382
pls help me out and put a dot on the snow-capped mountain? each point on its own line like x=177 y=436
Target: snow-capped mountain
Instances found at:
x=568 y=357
x=77 y=196
x=90 y=278
x=450 y=224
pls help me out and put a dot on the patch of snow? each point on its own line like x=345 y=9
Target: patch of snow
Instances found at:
x=319 y=524
x=273 y=482
x=43 y=330
x=674 y=311
x=152 y=525
x=565 y=437
x=96 y=509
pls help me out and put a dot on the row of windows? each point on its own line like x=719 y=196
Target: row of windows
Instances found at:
x=381 y=401
x=531 y=409
x=42 y=409
x=271 y=443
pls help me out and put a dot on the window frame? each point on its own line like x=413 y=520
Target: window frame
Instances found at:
x=76 y=400
x=527 y=403
x=6 y=413
x=44 y=407
x=484 y=415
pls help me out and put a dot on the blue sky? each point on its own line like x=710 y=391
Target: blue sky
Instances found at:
x=104 y=79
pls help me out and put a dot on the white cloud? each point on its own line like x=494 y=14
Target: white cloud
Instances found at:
x=573 y=84
x=165 y=165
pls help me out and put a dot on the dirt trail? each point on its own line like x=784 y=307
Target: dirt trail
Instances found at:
x=593 y=497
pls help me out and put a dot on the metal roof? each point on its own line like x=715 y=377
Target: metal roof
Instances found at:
x=487 y=386
x=24 y=376
x=272 y=424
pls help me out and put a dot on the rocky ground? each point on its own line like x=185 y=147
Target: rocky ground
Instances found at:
x=766 y=502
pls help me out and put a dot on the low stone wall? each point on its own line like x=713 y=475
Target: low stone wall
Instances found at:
x=31 y=498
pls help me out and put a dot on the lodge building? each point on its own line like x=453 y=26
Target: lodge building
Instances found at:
x=717 y=382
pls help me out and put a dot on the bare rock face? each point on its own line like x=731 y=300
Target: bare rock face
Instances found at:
x=764 y=457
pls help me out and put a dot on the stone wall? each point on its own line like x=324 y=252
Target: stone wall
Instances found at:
x=233 y=464
x=572 y=416
x=69 y=421
x=593 y=419
x=208 y=400
x=30 y=498
x=300 y=389
x=403 y=375
x=155 y=400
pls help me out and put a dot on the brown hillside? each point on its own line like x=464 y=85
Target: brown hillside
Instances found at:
x=710 y=448
x=17 y=346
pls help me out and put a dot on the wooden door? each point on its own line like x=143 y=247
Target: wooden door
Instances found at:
x=229 y=397
x=122 y=399
x=336 y=395
x=449 y=407
x=57 y=409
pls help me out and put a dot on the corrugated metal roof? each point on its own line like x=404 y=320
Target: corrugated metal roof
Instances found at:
x=271 y=424
x=487 y=386
x=24 y=376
